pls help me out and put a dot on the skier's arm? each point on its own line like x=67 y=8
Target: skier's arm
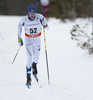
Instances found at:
x=20 y=25
x=43 y=22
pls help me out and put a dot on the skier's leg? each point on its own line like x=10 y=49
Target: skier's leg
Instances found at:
x=29 y=54
x=29 y=59
x=36 y=54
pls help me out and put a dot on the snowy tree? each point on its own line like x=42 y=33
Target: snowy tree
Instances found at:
x=84 y=41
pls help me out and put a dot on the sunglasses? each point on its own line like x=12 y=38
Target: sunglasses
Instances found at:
x=31 y=13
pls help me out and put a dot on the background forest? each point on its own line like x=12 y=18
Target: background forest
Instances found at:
x=63 y=9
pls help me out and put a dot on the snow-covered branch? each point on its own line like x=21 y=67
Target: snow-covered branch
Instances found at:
x=79 y=34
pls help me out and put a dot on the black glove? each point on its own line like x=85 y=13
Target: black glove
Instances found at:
x=44 y=24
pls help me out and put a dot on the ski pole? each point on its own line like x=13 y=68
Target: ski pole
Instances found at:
x=16 y=55
x=46 y=56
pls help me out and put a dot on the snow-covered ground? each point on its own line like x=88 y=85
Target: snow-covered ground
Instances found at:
x=71 y=68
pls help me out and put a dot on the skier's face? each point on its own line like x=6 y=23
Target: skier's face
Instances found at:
x=31 y=15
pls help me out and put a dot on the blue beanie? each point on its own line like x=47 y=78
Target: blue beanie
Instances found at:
x=31 y=8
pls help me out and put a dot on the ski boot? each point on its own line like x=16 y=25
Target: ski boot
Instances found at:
x=34 y=71
x=28 y=83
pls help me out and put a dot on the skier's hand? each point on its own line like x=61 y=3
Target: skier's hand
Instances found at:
x=20 y=42
x=44 y=24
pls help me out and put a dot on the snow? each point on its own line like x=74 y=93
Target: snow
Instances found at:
x=71 y=68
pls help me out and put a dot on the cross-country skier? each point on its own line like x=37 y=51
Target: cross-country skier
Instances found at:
x=32 y=23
